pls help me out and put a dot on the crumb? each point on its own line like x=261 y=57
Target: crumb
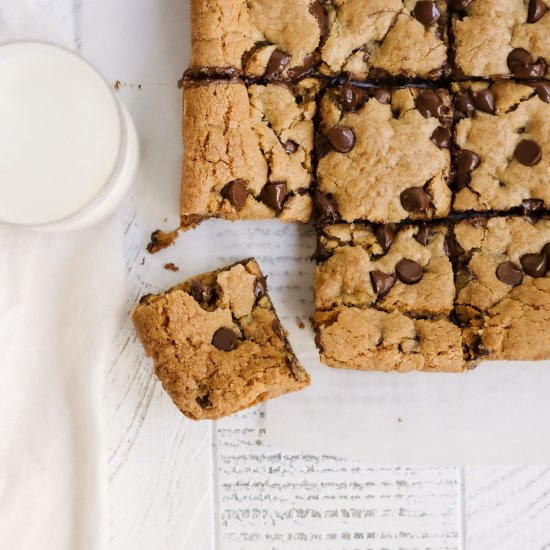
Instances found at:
x=165 y=220
x=161 y=239
x=117 y=85
x=399 y=420
x=143 y=260
x=301 y=325
x=139 y=86
x=171 y=267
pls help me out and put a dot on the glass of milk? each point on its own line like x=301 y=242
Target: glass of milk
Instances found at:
x=68 y=148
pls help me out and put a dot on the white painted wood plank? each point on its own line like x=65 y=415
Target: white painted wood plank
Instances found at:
x=507 y=508
x=270 y=500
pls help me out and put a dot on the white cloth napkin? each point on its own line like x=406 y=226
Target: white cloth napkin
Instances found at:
x=61 y=300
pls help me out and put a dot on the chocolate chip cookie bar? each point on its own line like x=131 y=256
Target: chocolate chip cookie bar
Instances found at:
x=386 y=39
x=257 y=38
x=502 y=156
x=384 y=154
x=501 y=38
x=384 y=299
x=276 y=39
x=217 y=343
x=503 y=287
x=247 y=151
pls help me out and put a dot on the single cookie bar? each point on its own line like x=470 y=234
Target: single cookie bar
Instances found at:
x=384 y=299
x=373 y=39
x=385 y=153
x=503 y=287
x=247 y=151
x=217 y=343
x=258 y=38
x=501 y=38
x=502 y=156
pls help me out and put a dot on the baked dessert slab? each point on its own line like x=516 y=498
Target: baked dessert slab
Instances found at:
x=278 y=39
x=247 y=151
x=384 y=153
x=386 y=39
x=384 y=299
x=503 y=287
x=217 y=344
x=502 y=153
x=501 y=38
x=257 y=38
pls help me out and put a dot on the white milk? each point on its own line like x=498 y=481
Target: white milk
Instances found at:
x=68 y=149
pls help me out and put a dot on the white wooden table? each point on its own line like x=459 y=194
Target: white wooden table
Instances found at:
x=179 y=485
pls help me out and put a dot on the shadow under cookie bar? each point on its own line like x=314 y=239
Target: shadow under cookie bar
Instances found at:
x=384 y=153
x=502 y=146
x=217 y=344
x=247 y=151
x=384 y=298
x=503 y=287
x=500 y=38
x=279 y=39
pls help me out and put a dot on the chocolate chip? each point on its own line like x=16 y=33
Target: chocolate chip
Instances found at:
x=352 y=96
x=442 y=137
x=518 y=60
x=426 y=12
x=534 y=265
x=408 y=271
x=342 y=138
x=225 y=339
x=546 y=252
x=327 y=210
x=274 y=195
x=528 y=152
x=531 y=205
x=235 y=193
x=318 y=10
x=543 y=90
x=203 y=294
x=537 y=8
x=415 y=199
x=520 y=63
x=464 y=103
x=382 y=95
x=484 y=100
x=277 y=62
x=429 y=103
x=381 y=282
x=424 y=234
x=290 y=147
x=460 y=4
x=385 y=234
x=509 y=273
x=260 y=287
x=204 y=401
x=466 y=161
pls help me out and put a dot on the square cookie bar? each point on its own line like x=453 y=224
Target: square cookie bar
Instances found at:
x=384 y=299
x=280 y=39
x=385 y=153
x=502 y=153
x=379 y=39
x=217 y=343
x=501 y=38
x=247 y=151
x=503 y=287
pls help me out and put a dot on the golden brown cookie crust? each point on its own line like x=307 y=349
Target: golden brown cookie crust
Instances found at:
x=409 y=326
x=177 y=329
x=233 y=133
